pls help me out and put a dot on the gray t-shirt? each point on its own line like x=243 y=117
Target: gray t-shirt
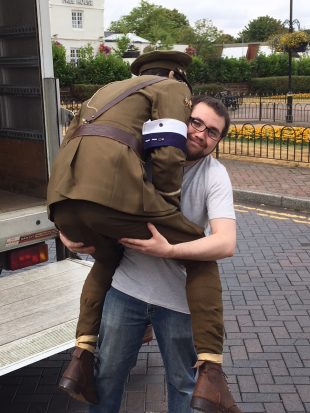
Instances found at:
x=206 y=194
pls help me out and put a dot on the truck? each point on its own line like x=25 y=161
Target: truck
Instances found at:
x=30 y=134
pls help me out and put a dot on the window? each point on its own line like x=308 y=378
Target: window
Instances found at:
x=74 y=55
x=77 y=19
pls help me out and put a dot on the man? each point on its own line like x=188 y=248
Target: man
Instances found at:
x=148 y=289
x=100 y=169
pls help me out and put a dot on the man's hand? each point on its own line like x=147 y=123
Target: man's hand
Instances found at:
x=157 y=246
x=77 y=247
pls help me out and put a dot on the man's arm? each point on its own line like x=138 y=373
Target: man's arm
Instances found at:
x=220 y=244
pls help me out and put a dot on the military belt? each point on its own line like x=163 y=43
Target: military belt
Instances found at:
x=111 y=132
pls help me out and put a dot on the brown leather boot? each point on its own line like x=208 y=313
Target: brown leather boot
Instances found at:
x=78 y=379
x=148 y=334
x=211 y=393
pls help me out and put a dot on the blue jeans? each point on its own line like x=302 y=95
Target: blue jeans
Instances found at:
x=124 y=319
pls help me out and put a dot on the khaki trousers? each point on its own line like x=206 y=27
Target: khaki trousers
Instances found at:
x=100 y=226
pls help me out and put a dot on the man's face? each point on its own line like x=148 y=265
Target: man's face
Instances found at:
x=200 y=144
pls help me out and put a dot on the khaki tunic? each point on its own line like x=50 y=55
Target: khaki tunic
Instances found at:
x=109 y=173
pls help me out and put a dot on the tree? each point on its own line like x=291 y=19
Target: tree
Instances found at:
x=122 y=45
x=260 y=29
x=204 y=36
x=154 y=23
x=65 y=72
x=225 y=38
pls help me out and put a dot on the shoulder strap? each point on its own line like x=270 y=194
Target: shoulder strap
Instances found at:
x=122 y=96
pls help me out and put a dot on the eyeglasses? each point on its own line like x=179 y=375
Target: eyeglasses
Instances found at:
x=199 y=125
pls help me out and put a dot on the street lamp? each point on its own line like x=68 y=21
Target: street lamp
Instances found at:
x=289 y=101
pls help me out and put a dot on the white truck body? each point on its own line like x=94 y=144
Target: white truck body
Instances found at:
x=39 y=306
x=29 y=123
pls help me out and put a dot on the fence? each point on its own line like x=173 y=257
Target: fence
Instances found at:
x=252 y=108
x=287 y=143
x=267 y=141
x=271 y=112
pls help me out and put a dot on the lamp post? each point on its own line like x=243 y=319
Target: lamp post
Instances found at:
x=289 y=101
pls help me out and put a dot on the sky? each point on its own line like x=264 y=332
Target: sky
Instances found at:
x=230 y=16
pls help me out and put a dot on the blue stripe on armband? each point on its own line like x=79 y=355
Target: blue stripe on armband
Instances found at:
x=157 y=140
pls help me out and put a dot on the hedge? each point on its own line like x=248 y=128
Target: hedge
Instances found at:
x=82 y=92
x=279 y=84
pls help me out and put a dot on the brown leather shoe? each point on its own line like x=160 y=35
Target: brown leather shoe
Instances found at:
x=211 y=393
x=148 y=334
x=78 y=379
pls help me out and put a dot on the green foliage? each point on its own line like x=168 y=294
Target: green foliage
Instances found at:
x=59 y=53
x=229 y=70
x=83 y=92
x=86 y=53
x=65 y=72
x=205 y=33
x=303 y=66
x=154 y=23
x=208 y=89
x=197 y=71
x=225 y=38
x=122 y=45
x=102 y=69
x=279 y=84
x=273 y=65
x=260 y=29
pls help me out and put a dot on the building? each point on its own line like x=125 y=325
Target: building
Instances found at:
x=138 y=42
x=247 y=50
x=77 y=23
x=250 y=50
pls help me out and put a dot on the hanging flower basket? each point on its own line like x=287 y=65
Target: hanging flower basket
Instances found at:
x=295 y=41
x=301 y=48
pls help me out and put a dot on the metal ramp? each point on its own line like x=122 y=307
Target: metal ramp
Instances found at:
x=38 y=312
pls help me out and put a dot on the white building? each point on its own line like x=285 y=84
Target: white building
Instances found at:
x=77 y=23
x=248 y=50
x=135 y=40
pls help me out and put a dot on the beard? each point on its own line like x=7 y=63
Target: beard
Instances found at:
x=197 y=151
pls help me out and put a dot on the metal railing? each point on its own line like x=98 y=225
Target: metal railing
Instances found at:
x=267 y=108
x=267 y=141
x=72 y=105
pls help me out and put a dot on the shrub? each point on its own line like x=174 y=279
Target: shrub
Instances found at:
x=279 y=84
x=102 y=69
x=83 y=92
x=65 y=72
x=208 y=88
x=197 y=71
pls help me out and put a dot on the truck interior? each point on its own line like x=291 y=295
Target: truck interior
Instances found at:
x=23 y=165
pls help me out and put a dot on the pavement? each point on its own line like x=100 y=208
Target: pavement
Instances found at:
x=276 y=184
x=266 y=295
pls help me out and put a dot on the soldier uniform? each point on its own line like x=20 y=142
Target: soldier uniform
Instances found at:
x=99 y=192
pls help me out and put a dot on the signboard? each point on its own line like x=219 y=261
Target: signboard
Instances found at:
x=79 y=2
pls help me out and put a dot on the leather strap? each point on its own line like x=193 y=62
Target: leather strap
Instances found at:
x=88 y=129
x=122 y=96
x=112 y=133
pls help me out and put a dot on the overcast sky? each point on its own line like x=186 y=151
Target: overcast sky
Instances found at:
x=230 y=16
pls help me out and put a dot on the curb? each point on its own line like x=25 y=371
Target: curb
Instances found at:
x=297 y=204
